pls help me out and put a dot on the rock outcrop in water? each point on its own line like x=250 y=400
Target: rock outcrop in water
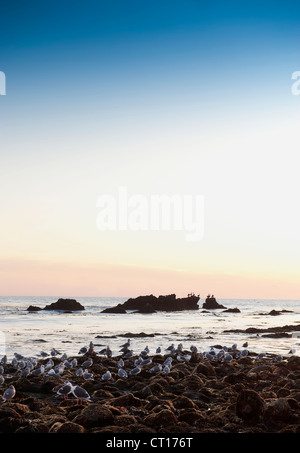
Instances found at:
x=65 y=304
x=211 y=303
x=61 y=304
x=151 y=304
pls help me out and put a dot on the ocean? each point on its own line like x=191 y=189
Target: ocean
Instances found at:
x=29 y=333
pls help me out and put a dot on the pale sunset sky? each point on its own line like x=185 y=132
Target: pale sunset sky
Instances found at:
x=160 y=97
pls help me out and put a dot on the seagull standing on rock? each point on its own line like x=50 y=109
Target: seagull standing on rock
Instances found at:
x=65 y=390
x=9 y=393
x=80 y=393
x=87 y=363
x=106 y=376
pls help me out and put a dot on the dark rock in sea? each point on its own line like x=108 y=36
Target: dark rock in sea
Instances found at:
x=211 y=303
x=276 y=329
x=151 y=304
x=277 y=335
x=33 y=308
x=147 y=308
x=65 y=304
x=232 y=310
x=117 y=309
x=274 y=312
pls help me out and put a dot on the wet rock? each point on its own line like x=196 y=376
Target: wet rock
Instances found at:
x=277 y=410
x=293 y=363
x=182 y=402
x=33 y=308
x=249 y=405
x=94 y=415
x=126 y=400
x=68 y=427
x=205 y=368
x=165 y=418
x=151 y=303
x=211 y=303
x=117 y=309
x=190 y=416
x=65 y=304
x=125 y=420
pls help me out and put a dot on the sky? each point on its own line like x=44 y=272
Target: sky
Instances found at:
x=167 y=97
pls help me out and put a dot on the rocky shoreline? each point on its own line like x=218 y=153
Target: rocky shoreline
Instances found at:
x=198 y=394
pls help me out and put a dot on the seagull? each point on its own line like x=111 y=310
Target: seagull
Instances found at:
x=44 y=354
x=158 y=350
x=134 y=371
x=91 y=347
x=122 y=373
x=9 y=393
x=60 y=368
x=166 y=369
x=38 y=371
x=80 y=393
x=83 y=350
x=146 y=362
x=87 y=363
x=67 y=364
x=180 y=347
x=79 y=372
x=220 y=354
x=155 y=369
x=106 y=376
x=25 y=372
x=87 y=376
x=65 y=390
x=227 y=358
x=126 y=345
x=4 y=360
x=108 y=352
x=120 y=363
x=52 y=372
x=74 y=363
x=1 y=379
x=49 y=365
x=138 y=361
x=168 y=362
x=14 y=362
x=21 y=365
x=170 y=348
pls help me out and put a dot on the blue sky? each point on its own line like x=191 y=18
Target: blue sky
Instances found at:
x=161 y=97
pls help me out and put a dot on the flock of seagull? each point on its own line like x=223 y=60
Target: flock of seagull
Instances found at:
x=29 y=366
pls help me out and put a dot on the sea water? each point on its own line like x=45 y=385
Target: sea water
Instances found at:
x=29 y=333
